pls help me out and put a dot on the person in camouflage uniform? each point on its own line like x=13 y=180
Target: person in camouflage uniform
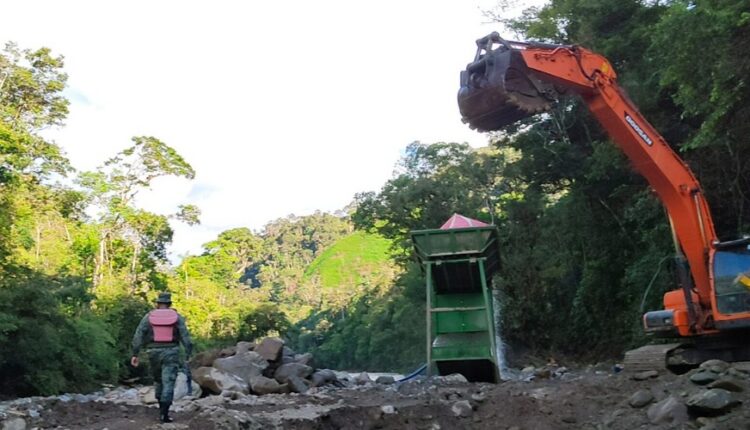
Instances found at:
x=164 y=356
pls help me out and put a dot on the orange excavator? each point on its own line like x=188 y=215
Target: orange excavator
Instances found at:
x=709 y=310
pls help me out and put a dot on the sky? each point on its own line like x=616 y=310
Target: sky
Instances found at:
x=282 y=107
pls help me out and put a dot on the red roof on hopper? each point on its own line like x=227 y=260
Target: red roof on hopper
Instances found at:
x=460 y=221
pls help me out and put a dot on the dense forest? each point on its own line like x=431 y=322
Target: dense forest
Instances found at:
x=585 y=244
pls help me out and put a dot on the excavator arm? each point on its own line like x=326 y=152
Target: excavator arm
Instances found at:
x=508 y=81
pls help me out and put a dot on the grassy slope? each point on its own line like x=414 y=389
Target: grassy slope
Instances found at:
x=351 y=260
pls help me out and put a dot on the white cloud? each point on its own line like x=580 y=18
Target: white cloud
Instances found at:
x=281 y=107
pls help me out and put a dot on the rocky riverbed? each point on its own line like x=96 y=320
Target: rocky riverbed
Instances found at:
x=715 y=396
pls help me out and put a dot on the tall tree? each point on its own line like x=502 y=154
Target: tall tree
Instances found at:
x=112 y=190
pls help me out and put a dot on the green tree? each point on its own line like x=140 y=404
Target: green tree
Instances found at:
x=126 y=231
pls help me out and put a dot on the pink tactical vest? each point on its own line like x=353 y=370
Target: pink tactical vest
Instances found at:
x=162 y=322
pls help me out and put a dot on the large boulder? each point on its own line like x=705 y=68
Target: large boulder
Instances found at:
x=243 y=347
x=297 y=384
x=668 y=411
x=363 y=378
x=180 y=387
x=306 y=359
x=262 y=385
x=385 y=380
x=716 y=366
x=13 y=424
x=228 y=351
x=148 y=396
x=270 y=348
x=285 y=371
x=323 y=377
x=712 y=402
x=217 y=381
x=640 y=398
x=704 y=377
x=246 y=365
x=205 y=358
x=728 y=383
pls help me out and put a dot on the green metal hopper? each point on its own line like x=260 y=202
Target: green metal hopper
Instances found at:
x=458 y=263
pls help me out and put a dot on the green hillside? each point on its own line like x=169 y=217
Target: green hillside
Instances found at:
x=353 y=260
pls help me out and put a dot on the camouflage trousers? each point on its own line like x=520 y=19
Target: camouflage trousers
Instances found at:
x=165 y=363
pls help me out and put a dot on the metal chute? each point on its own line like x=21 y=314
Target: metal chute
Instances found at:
x=498 y=89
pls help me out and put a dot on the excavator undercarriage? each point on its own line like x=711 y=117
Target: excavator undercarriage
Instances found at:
x=681 y=357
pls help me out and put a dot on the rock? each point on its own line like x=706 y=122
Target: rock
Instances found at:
x=640 y=398
x=728 y=383
x=737 y=373
x=81 y=398
x=668 y=411
x=262 y=385
x=211 y=401
x=543 y=373
x=285 y=371
x=287 y=352
x=232 y=395
x=648 y=374
x=385 y=380
x=711 y=402
x=245 y=366
x=204 y=359
x=305 y=359
x=704 y=377
x=716 y=366
x=217 y=381
x=297 y=384
x=131 y=394
x=180 y=387
x=14 y=424
x=479 y=397
x=228 y=352
x=149 y=397
x=270 y=348
x=462 y=409
x=362 y=379
x=528 y=369
x=388 y=409
x=454 y=378
x=243 y=347
x=323 y=377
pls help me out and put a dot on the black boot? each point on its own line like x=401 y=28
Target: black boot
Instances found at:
x=164 y=412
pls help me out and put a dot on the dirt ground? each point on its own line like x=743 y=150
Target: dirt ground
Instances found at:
x=576 y=399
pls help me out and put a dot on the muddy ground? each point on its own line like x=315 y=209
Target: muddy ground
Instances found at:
x=575 y=399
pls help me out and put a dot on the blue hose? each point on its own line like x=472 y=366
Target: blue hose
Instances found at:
x=414 y=374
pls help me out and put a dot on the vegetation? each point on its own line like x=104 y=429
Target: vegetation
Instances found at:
x=583 y=238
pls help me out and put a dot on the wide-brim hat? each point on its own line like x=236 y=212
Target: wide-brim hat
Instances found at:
x=165 y=298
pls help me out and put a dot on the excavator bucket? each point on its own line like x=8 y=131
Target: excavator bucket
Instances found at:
x=498 y=89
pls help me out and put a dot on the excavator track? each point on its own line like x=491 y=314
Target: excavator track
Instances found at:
x=649 y=357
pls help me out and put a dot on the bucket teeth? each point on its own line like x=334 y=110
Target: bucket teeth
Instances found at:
x=501 y=91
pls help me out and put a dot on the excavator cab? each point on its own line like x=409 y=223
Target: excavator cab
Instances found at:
x=732 y=279
x=498 y=89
